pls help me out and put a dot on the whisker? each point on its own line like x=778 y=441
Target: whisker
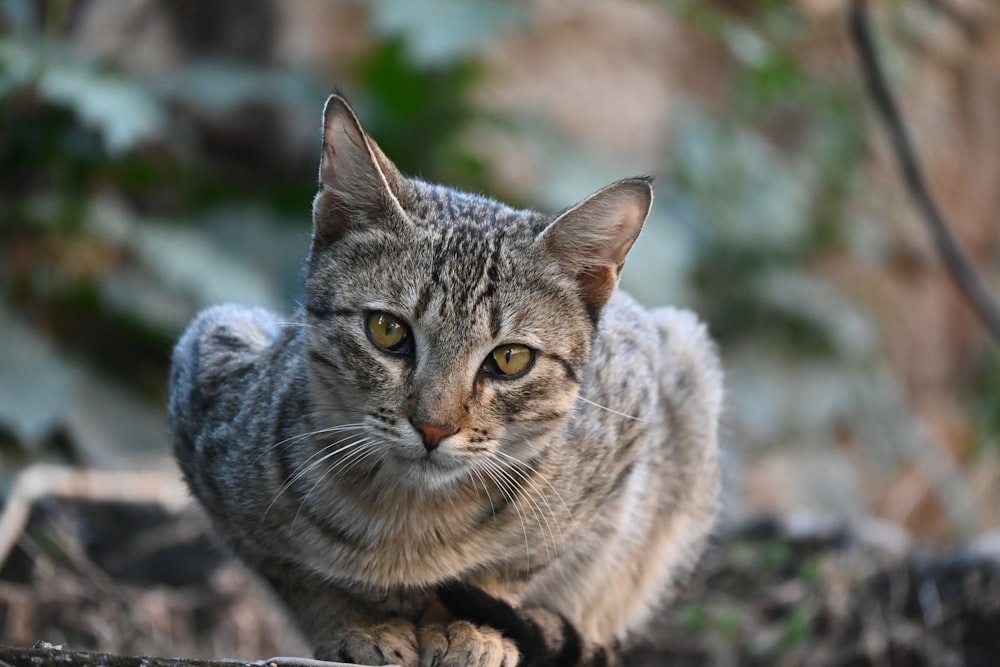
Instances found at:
x=303 y=468
x=542 y=477
x=524 y=476
x=358 y=440
x=479 y=478
x=489 y=468
x=536 y=509
x=296 y=438
x=292 y=324
x=546 y=531
x=363 y=448
x=614 y=412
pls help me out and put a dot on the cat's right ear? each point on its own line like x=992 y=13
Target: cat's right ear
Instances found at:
x=590 y=240
x=357 y=182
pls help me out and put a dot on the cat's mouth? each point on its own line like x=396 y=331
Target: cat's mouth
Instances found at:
x=427 y=467
x=433 y=460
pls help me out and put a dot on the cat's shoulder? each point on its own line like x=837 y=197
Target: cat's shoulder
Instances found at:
x=678 y=340
x=691 y=368
x=222 y=339
x=677 y=328
x=683 y=332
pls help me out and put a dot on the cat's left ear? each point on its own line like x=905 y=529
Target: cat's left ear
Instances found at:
x=590 y=240
x=357 y=183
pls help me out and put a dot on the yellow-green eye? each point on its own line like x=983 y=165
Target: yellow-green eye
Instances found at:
x=388 y=332
x=510 y=360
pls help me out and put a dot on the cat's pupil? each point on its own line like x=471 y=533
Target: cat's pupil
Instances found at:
x=387 y=331
x=508 y=360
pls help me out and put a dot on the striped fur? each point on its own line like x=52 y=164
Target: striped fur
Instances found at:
x=564 y=504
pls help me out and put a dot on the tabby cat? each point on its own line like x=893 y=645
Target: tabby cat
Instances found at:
x=467 y=448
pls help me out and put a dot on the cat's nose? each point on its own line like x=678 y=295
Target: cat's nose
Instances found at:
x=432 y=434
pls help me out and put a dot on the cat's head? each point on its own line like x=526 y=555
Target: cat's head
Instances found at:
x=447 y=330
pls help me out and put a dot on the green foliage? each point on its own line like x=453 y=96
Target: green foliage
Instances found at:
x=417 y=84
x=985 y=398
x=750 y=206
x=727 y=621
x=416 y=113
x=442 y=32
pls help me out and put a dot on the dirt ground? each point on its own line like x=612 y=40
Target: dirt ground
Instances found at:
x=147 y=578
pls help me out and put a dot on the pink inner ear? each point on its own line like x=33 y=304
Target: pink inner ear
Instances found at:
x=591 y=240
x=624 y=211
x=597 y=285
x=623 y=235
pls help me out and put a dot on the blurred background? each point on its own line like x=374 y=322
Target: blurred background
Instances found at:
x=159 y=156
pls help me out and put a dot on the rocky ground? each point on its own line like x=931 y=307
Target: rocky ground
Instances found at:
x=146 y=578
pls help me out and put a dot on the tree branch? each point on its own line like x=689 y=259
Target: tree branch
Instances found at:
x=43 y=654
x=957 y=262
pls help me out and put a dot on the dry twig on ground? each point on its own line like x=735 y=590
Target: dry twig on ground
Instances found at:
x=47 y=655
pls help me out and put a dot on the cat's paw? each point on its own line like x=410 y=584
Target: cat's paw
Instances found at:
x=391 y=643
x=461 y=644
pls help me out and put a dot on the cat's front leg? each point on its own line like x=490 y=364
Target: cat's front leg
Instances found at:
x=539 y=636
x=352 y=625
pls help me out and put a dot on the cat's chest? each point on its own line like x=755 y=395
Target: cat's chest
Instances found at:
x=413 y=539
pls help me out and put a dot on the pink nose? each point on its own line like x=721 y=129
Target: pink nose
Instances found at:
x=432 y=434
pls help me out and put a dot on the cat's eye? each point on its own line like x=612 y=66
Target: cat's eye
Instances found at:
x=388 y=332
x=511 y=360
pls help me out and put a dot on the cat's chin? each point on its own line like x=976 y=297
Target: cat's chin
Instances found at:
x=428 y=472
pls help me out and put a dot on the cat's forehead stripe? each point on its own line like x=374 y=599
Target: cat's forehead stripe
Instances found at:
x=446 y=210
x=467 y=252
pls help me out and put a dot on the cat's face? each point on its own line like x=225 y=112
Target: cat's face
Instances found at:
x=448 y=333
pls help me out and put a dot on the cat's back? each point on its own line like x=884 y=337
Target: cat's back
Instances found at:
x=668 y=346
x=220 y=343
x=661 y=367
x=217 y=397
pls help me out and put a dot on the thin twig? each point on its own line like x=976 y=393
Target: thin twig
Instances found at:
x=41 y=480
x=955 y=259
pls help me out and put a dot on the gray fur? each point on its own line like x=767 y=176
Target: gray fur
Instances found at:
x=585 y=488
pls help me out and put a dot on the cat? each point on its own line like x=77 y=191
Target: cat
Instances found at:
x=468 y=447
